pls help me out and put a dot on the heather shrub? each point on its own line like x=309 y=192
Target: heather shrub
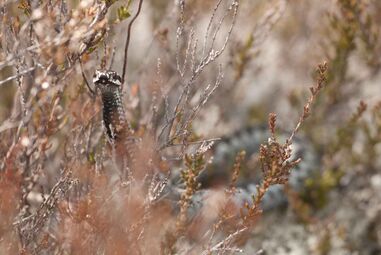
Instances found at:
x=192 y=74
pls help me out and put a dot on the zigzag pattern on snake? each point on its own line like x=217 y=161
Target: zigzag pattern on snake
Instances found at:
x=118 y=131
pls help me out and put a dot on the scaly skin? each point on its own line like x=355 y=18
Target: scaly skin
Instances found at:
x=218 y=173
x=109 y=84
x=250 y=139
x=119 y=134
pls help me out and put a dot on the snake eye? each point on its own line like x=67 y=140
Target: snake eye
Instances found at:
x=118 y=78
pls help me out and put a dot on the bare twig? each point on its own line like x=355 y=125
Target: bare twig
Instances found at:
x=128 y=41
x=195 y=70
x=92 y=92
x=18 y=75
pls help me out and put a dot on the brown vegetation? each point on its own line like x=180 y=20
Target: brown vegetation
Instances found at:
x=63 y=189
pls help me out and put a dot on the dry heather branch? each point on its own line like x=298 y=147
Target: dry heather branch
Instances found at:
x=176 y=126
x=58 y=129
x=29 y=227
x=275 y=165
x=128 y=41
x=320 y=82
x=274 y=157
x=194 y=165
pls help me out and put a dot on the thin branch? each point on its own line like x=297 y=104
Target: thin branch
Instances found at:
x=128 y=41
x=92 y=92
x=224 y=242
x=196 y=70
x=209 y=26
x=19 y=74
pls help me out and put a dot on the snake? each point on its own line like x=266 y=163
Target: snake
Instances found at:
x=249 y=139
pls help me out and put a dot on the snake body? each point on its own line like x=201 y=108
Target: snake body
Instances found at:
x=119 y=133
x=250 y=139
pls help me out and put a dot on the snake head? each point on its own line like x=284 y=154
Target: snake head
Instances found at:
x=107 y=80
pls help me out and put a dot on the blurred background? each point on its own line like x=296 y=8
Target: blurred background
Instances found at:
x=267 y=66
